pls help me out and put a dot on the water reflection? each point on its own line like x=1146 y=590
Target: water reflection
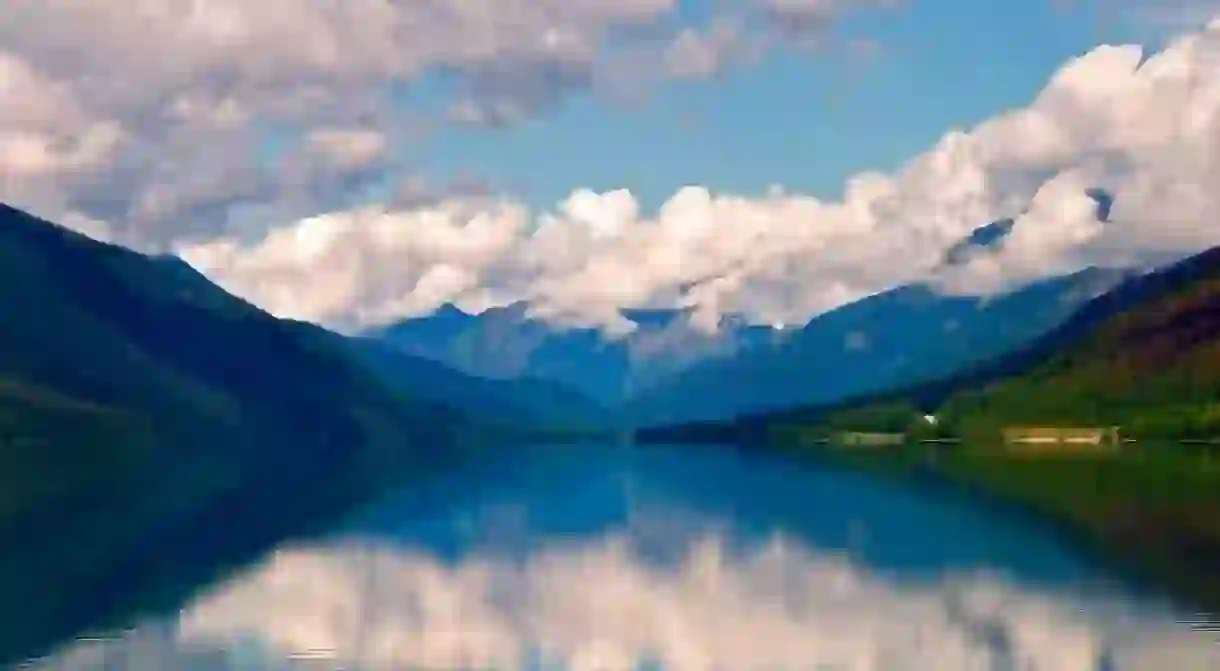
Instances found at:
x=610 y=561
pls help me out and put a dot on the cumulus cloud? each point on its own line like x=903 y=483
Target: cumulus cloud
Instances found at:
x=144 y=79
x=1143 y=127
x=381 y=263
x=699 y=54
x=161 y=118
x=602 y=605
x=277 y=43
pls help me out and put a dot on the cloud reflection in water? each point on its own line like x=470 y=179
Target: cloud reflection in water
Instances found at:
x=601 y=604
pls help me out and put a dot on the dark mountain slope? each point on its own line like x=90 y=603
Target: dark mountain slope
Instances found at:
x=1145 y=356
x=41 y=432
x=526 y=402
x=160 y=423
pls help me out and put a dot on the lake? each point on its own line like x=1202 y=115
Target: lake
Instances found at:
x=601 y=557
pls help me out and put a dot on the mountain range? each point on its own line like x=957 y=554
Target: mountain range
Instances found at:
x=667 y=370
x=508 y=342
x=887 y=340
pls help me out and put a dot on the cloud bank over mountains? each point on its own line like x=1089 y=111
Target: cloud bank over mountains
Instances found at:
x=237 y=134
x=1145 y=127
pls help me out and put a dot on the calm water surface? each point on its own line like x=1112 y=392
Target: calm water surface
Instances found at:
x=608 y=558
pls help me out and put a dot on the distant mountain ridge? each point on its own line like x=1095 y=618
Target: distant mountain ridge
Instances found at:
x=891 y=339
x=506 y=343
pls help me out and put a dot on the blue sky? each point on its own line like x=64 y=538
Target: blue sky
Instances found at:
x=806 y=122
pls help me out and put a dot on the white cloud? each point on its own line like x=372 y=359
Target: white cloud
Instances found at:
x=159 y=120
x=168 y=45
x=1146 y=130
x=600 y=605
x=699 y=54
x=382 y=264
x=1047 y=239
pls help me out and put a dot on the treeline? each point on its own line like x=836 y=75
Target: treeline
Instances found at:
x=983 y=415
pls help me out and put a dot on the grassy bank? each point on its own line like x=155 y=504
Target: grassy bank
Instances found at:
x=1154 y=510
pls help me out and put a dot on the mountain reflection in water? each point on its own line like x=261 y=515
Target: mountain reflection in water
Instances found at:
x=624 y=559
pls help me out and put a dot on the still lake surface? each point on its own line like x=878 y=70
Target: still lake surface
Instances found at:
x=607 y=558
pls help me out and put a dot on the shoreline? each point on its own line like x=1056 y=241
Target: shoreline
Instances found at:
x=1151 y=545
x=1138 y=549
x=1160 y=549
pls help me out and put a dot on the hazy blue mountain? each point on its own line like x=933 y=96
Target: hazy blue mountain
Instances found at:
x=884 y=341
x=987 y=237
x=506 y=343
x=981 y=240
